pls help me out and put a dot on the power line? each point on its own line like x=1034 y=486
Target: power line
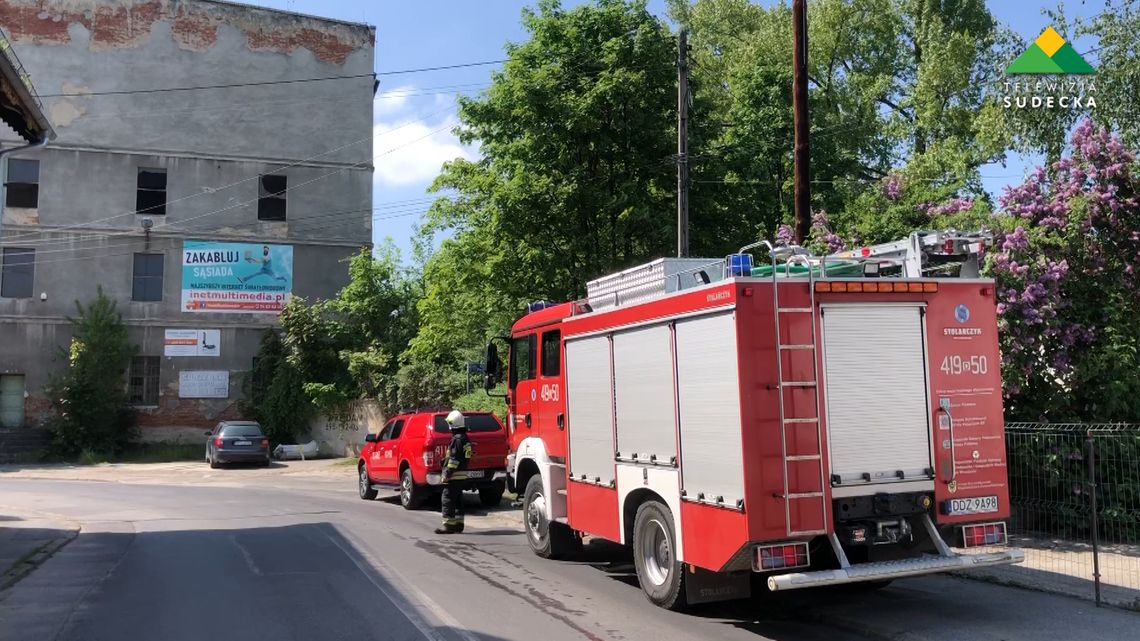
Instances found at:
x=441 y=68
x=176 y=225
x=232 y=85
x=291 y=81
x=31 y=234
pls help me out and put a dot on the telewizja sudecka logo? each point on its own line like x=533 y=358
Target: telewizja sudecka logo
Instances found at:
x=1050 y=53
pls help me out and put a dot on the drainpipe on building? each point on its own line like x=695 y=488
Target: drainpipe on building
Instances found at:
x=4 y=153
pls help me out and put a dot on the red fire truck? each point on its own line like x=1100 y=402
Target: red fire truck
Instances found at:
x=809 y=421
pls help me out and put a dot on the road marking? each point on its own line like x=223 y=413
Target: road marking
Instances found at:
x=404 y=604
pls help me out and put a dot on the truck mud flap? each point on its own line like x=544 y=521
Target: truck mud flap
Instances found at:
x=887 y=570
x=703 y=586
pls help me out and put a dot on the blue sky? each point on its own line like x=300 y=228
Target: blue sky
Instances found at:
x=415 y=112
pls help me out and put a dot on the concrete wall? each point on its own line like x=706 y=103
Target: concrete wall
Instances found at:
x=213 y=143
x=346 y=440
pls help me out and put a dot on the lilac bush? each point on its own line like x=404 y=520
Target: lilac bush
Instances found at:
x=1068 y=296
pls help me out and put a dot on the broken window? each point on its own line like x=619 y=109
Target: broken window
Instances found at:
x=143 y=380
x=271 y=198
x=22 y=187
x=150 y=196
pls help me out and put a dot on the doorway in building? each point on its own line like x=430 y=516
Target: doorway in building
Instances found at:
x=11 y=400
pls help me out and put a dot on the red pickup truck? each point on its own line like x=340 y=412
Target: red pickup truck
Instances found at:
x=408 y=454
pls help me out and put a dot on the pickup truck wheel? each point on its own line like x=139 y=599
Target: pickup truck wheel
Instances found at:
x=367 y=492
x=411 y=495
x=492 y=496
x=655 y=556
x=549 y=540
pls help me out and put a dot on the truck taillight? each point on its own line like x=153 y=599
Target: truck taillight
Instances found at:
x=218 y=442
x=429 y=458
x=782 y=556
x=983 y=534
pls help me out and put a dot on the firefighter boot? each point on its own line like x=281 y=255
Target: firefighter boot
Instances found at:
x=449 y=528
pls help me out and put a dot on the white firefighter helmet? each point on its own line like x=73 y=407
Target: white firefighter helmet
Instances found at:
x=455 y=420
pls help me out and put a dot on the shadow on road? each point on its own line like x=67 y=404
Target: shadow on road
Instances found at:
x=298 y=581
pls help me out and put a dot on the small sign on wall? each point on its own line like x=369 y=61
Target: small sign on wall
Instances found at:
x=192 y=342
x=204 y=384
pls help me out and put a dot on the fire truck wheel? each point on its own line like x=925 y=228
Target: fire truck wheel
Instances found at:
x=547 y=540
x=655 y=556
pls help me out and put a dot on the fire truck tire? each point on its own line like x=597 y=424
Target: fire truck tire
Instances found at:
x=548 y=540
x=655 y=556
x=364 y=484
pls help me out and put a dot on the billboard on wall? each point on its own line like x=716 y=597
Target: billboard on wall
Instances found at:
x=192 y=342
x=236 y=278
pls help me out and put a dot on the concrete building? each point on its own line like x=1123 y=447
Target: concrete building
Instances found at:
x=212 y=159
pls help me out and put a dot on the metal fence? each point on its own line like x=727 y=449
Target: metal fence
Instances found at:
x=1075 y=499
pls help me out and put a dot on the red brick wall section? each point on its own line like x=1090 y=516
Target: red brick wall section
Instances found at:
x=36 y=410
x=194 y=26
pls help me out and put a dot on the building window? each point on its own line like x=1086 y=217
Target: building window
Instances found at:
x=143 y=380
x=150 y=196
x=22 y=188
x=271 y=198
x=147 y=279
x=16 y=274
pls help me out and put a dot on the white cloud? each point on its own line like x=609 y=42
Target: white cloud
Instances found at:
x=412 y=151
x=391 y=101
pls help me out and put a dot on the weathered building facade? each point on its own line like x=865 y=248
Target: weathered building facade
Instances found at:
x=212 y=159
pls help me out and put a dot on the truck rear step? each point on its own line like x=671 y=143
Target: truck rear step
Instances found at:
x=886 y=570
x=945 y=561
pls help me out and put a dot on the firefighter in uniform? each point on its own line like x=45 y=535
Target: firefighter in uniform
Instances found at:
x=459 y=454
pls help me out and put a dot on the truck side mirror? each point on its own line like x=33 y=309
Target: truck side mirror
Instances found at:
x=491 y=366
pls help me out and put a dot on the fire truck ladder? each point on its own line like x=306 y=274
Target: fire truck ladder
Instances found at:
x=791 y=422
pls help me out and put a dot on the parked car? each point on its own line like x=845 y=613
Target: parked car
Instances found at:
x=408 y=452
x=236 y=442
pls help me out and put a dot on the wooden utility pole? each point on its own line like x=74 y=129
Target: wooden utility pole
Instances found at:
x=802 y=202
x=683 y=144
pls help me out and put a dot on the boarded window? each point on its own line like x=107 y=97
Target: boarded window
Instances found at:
x=146 y=283
x=271 y=198
x=143 y=380
x=150 y=196
x=22 y=187
x=19 y=266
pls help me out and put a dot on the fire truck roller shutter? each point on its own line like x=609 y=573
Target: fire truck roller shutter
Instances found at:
x=708 y=396
x=876 y=391
x=589 y=408
x=643 y=387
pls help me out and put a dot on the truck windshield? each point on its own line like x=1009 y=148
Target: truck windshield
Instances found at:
x=474 y=422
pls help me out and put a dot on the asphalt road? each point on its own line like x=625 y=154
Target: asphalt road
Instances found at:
x=253 y=556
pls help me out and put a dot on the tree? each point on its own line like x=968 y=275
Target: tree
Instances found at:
x=89 y=399
x=891 y=82
x=275 y=394
x=1068 y=294
x=577 y=134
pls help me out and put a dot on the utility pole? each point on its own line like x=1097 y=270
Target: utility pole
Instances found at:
x=802 y=201
x=683 y=144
